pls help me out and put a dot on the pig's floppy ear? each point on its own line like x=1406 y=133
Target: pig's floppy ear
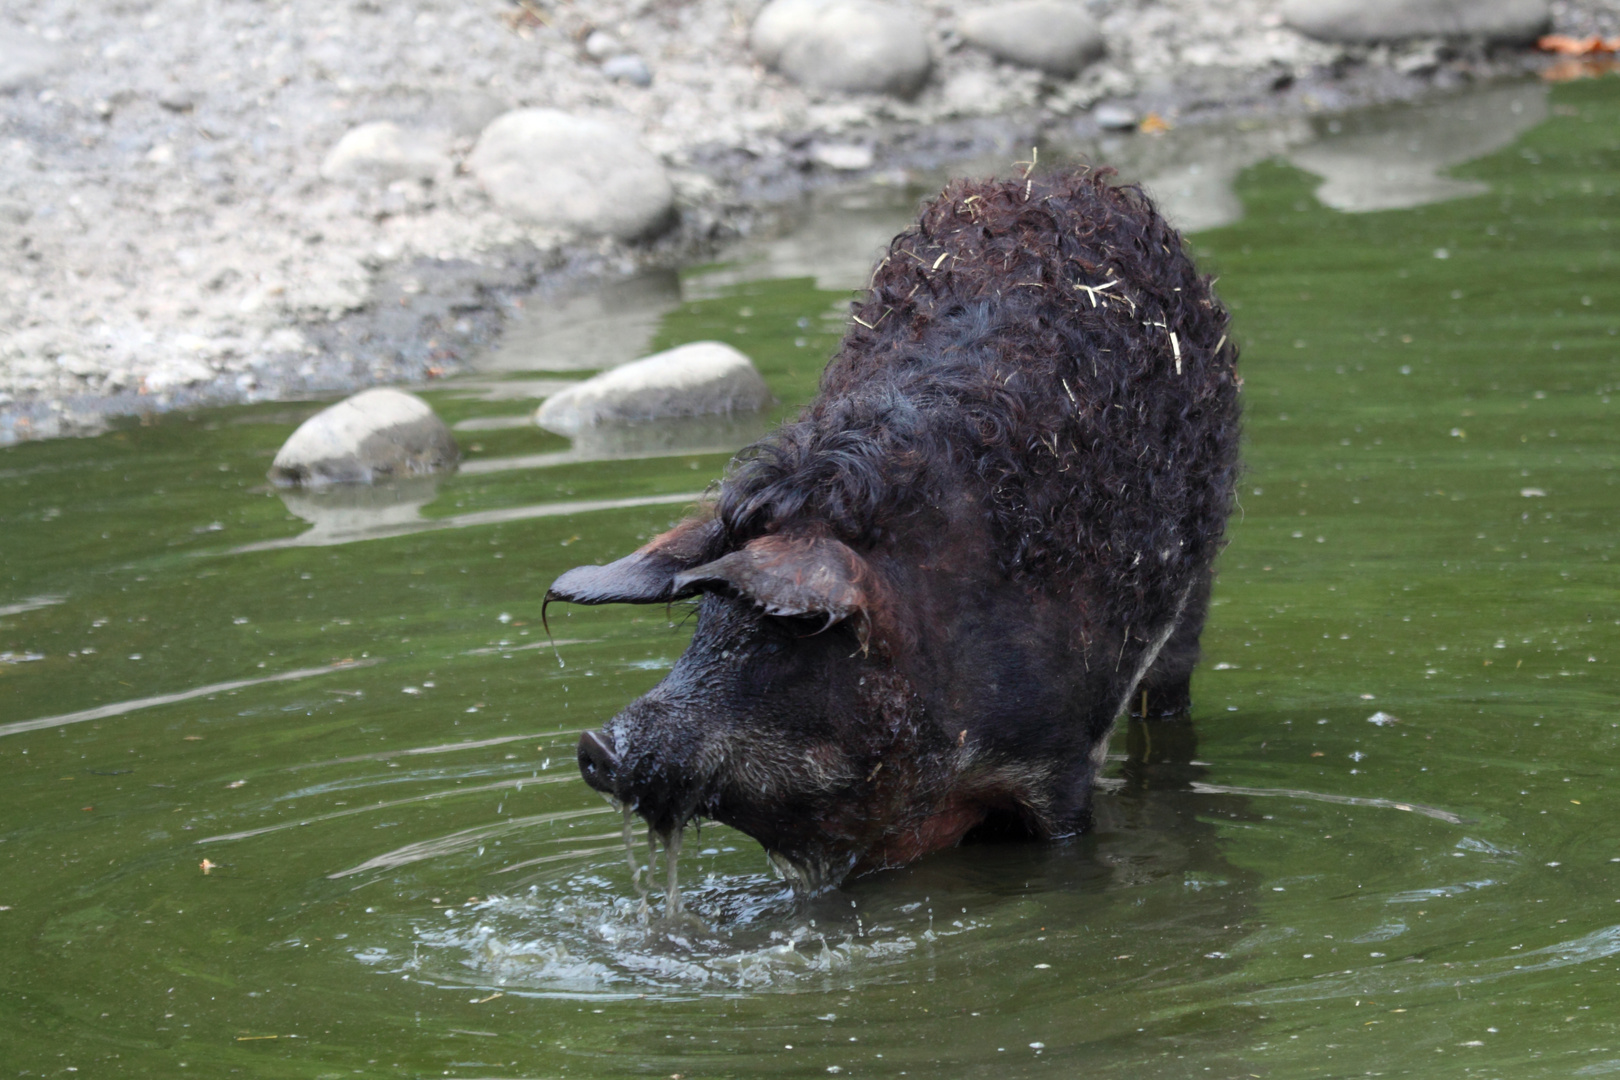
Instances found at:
x=646 y=575
x=800 y=576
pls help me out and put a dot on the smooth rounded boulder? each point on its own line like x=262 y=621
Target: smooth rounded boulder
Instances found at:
x=374 y=435
x=382 y=152
x=1369 y=21
x=853 y=46
x=1053 y=36
x=552 y=169
x=701 y=379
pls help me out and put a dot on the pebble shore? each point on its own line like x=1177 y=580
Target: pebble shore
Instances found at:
x=209 y=201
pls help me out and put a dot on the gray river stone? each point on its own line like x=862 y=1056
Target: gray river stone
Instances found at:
x=599 y=45
x=374 y=435
x=701 y=379
x=627 y=68
x=843 y=157
x=552 y=169
x=855 y=46
x=382 y=152
x=1111 y=116
x=1365 y=21
x=1054 y=36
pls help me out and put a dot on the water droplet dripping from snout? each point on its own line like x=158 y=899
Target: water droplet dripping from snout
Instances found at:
x=630 y=854
x=674 y=910
x=672 y=887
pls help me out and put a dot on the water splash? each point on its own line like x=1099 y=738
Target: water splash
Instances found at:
x=583 y=935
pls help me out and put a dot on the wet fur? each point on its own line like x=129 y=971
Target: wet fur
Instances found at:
x=1009 y=493
x=1118 y=485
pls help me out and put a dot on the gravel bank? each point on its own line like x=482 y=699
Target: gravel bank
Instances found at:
x=178 y=230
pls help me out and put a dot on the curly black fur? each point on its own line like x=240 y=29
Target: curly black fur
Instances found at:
x=1050 y=343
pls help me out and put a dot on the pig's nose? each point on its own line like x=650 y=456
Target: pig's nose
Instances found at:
x=596 y=762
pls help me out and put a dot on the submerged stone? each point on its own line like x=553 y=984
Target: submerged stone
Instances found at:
x=701 y=379
x=374 y=435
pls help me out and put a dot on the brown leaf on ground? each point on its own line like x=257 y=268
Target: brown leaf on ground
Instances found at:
x=1564 y=45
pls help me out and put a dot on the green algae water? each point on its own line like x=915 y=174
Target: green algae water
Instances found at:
x=289 y=785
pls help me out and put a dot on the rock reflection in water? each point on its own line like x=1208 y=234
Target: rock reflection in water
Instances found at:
x=346 y=512
x=724 y=434
x=1390 y=159
x=1190 y=173
x=590 y=330
x=1376 y=160
x=1381 y=159
x=834 y=239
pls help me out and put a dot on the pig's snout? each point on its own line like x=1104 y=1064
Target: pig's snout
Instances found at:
x=596 y=762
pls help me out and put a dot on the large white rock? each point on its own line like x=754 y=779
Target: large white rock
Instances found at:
x=382 y=152
x=374 y=435
x=700 y=379
x=24 y=58
x=1360 y=21
x=553 y=169
x=1055 y=36
x=176 y=372
x=855 y=46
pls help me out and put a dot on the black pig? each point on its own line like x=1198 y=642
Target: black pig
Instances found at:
x=923 y=603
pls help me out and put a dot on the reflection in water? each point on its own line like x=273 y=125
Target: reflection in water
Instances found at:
x=344 y=512
x=571 y=929
x=449 y=793
x=1378 y=160
x=351 y=513
x=119 y=708
x=1190 y=172
x=576 y=925
x=835 y=240
x=1343 y=800
x=384 y=520
x=721 y=434
x=493 y=423
x=576 y=930
x=33 y=603
x=461 y=841
x=1407 y=976
x=1396 y=158
x=499 y=389
x=588 y=331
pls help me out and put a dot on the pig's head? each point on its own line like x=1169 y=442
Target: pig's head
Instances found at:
x=787 y=717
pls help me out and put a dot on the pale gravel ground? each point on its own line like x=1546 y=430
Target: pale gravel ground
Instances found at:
x=167 y=235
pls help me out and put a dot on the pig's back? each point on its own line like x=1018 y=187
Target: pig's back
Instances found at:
x=1050 y=347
